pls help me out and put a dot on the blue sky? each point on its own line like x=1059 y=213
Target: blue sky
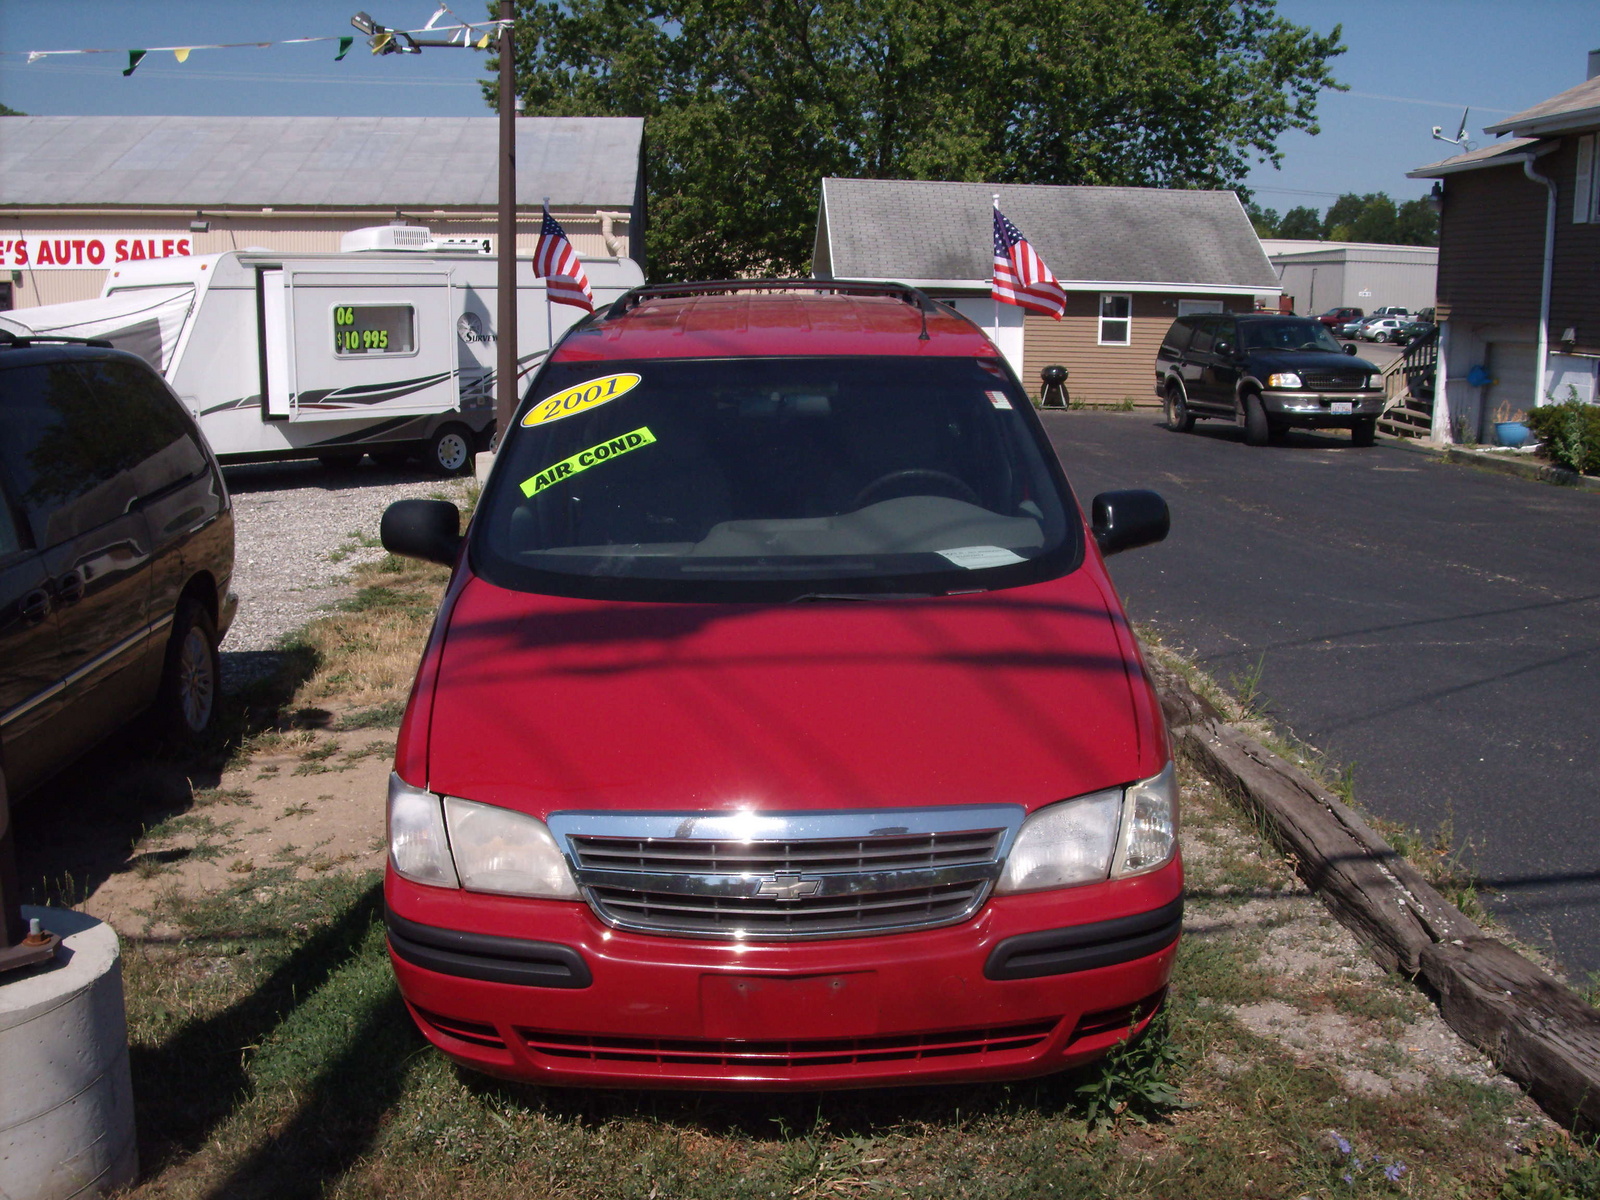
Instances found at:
x=1411 y=64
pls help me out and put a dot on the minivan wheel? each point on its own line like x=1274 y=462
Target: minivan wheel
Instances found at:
x=451 y=451
x=1256 y=430
x=186 y=704
x=1179 y=418
x=1364 y=432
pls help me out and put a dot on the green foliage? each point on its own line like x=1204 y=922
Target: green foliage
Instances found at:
x=1570 y=432
x=1374 y=217
x=751 y=105
x=6 y=111
x=1135 y=1080
x=1564 y=1172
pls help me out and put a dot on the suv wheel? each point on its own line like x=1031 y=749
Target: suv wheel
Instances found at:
x=451 y=451
x=1179 y=418
x=1256 y=429
x=1364 y=432
x=186 y=704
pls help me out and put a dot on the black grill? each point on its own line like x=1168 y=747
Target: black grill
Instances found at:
x=1337 y=381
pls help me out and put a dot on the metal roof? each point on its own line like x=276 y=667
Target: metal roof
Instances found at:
x=1576 y=109
x=934 y=231
x=322 y=162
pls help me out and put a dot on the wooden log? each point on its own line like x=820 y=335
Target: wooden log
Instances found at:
x=1538 y=1032
x=1369 y=887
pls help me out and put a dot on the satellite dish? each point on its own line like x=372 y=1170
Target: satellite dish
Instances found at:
x=1460 y=141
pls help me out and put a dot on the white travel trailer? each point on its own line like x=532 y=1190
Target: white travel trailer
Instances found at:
x=386 y=348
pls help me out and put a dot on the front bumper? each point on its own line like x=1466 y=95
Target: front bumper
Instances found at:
x=1317 y=408
x=543 y=991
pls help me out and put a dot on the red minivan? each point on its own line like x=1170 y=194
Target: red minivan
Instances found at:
x=780 y=727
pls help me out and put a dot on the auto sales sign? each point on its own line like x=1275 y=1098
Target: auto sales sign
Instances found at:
x=83 y=251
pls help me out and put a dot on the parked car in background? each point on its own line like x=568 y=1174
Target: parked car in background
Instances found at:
x=1383 y=329
x=116 y=550
x=781 y=727
x=1392 y=310
x=1353 y=327
x=1411 y=331
x=1338 y=317
x=1267 y=373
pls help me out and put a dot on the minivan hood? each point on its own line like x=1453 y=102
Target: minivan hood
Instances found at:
x=1267 y=361
x=546 y=703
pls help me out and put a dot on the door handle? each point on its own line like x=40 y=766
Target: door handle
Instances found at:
x=35 y=606
x=70 y=587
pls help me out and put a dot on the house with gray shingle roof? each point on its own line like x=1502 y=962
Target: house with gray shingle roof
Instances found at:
x=1519 y=265
x=1130 y=259
x=298 y=184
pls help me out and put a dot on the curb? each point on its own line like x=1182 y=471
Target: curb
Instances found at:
x=1503 y=466
x=1535 y=1029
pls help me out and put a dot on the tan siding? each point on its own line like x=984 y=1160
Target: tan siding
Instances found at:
x=1575 y=281
x=1107 y=374
x=1491 y=245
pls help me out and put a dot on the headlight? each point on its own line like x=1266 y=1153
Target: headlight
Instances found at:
x=497 y=850
x=1106 y=835
x=1149 y=825
x=1284 y=379
x=418 y=847
x=1064 y=844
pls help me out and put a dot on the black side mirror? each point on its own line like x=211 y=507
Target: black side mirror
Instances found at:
x=1349 y=347
x=1224 y=347
x=1125 y=520
x=425 y=529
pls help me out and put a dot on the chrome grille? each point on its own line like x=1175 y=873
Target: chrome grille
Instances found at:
x=824 y=875
x=1336 y=381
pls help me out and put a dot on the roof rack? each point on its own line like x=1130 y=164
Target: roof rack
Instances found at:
x=23 y=340
x=844 y=287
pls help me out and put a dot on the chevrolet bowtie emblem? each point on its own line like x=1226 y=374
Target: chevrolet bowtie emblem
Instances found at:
x=788 y=885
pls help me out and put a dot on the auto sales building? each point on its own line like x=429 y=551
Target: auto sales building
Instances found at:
x=1130 y=259
x=80 y=194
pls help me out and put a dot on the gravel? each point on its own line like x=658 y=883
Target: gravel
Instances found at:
x=299 y=528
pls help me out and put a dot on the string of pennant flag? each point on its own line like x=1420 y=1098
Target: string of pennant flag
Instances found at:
x=477 y=35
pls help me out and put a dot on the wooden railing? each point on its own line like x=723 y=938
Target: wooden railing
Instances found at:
x=1408 y=384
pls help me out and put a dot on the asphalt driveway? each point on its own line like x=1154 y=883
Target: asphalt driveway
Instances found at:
x=1435 y=627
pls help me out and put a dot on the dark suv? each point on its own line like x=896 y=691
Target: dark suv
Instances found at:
x=1268 y=373
x=116 y=548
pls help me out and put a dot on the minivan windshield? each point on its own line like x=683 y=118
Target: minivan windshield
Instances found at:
x=774 y=478
x=1287 y=333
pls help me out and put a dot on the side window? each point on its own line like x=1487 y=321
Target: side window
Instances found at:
x=1205 y=333
x=11 y=540
x=1116 y=310
x=1227 y=331
x=1177 y=339
x=157 y=444
x=59 y=470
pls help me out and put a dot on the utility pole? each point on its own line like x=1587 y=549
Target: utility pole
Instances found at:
x=506 y=278
x=397 y=41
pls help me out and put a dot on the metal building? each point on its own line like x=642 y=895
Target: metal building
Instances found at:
x=1323 y=275
x=80 y=194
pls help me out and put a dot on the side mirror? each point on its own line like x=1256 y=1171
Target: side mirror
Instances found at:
x=425 y=529
x=1224 y=347
x=1349 y=347
x=1127 y=519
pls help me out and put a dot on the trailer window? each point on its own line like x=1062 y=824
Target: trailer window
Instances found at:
x=374 y=329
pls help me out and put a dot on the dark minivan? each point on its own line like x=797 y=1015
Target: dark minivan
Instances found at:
x=1268 y=373
x=116 y=549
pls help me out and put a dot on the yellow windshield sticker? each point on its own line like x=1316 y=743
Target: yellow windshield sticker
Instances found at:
x=585 y=396
x=584 y=459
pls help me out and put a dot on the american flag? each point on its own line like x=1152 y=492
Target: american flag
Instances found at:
x=557 y=263
x=1020 y=276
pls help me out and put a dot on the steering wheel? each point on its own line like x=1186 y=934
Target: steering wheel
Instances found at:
x=949 y=483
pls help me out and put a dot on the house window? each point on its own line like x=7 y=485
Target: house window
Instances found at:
x=1586 y=183
x=1186 y=307
x=1115 y=326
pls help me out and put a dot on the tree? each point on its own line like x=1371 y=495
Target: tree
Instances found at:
x=1301 y=222
x=6 y=111
x=1375 y=217
x=1263 y=220
x=751 y=103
